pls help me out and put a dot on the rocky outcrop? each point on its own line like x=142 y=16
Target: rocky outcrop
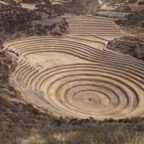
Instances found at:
x=133 y=46
x=132 y=23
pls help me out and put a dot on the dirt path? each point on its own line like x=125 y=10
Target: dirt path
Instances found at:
x=54 y=2
x=76 y=76
x=27 y=6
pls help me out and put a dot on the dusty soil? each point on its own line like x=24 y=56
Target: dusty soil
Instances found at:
x=136 y=5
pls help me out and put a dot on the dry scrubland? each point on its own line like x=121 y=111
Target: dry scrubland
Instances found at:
x=58 y=80
x=133 y=46
x=132 y=23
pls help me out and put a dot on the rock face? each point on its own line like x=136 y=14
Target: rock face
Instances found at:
x=128 y=45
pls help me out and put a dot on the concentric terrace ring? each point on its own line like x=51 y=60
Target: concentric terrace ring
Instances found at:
x=70 y=77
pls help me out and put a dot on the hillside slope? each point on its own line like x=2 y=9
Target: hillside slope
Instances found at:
x=132 y=23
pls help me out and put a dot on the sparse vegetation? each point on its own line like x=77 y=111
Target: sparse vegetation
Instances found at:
x=16 y=21
x=128 y=45
x=132 y=23
x=78 y=7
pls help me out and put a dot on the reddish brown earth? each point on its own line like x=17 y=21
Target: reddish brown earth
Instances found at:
x=136 y=7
